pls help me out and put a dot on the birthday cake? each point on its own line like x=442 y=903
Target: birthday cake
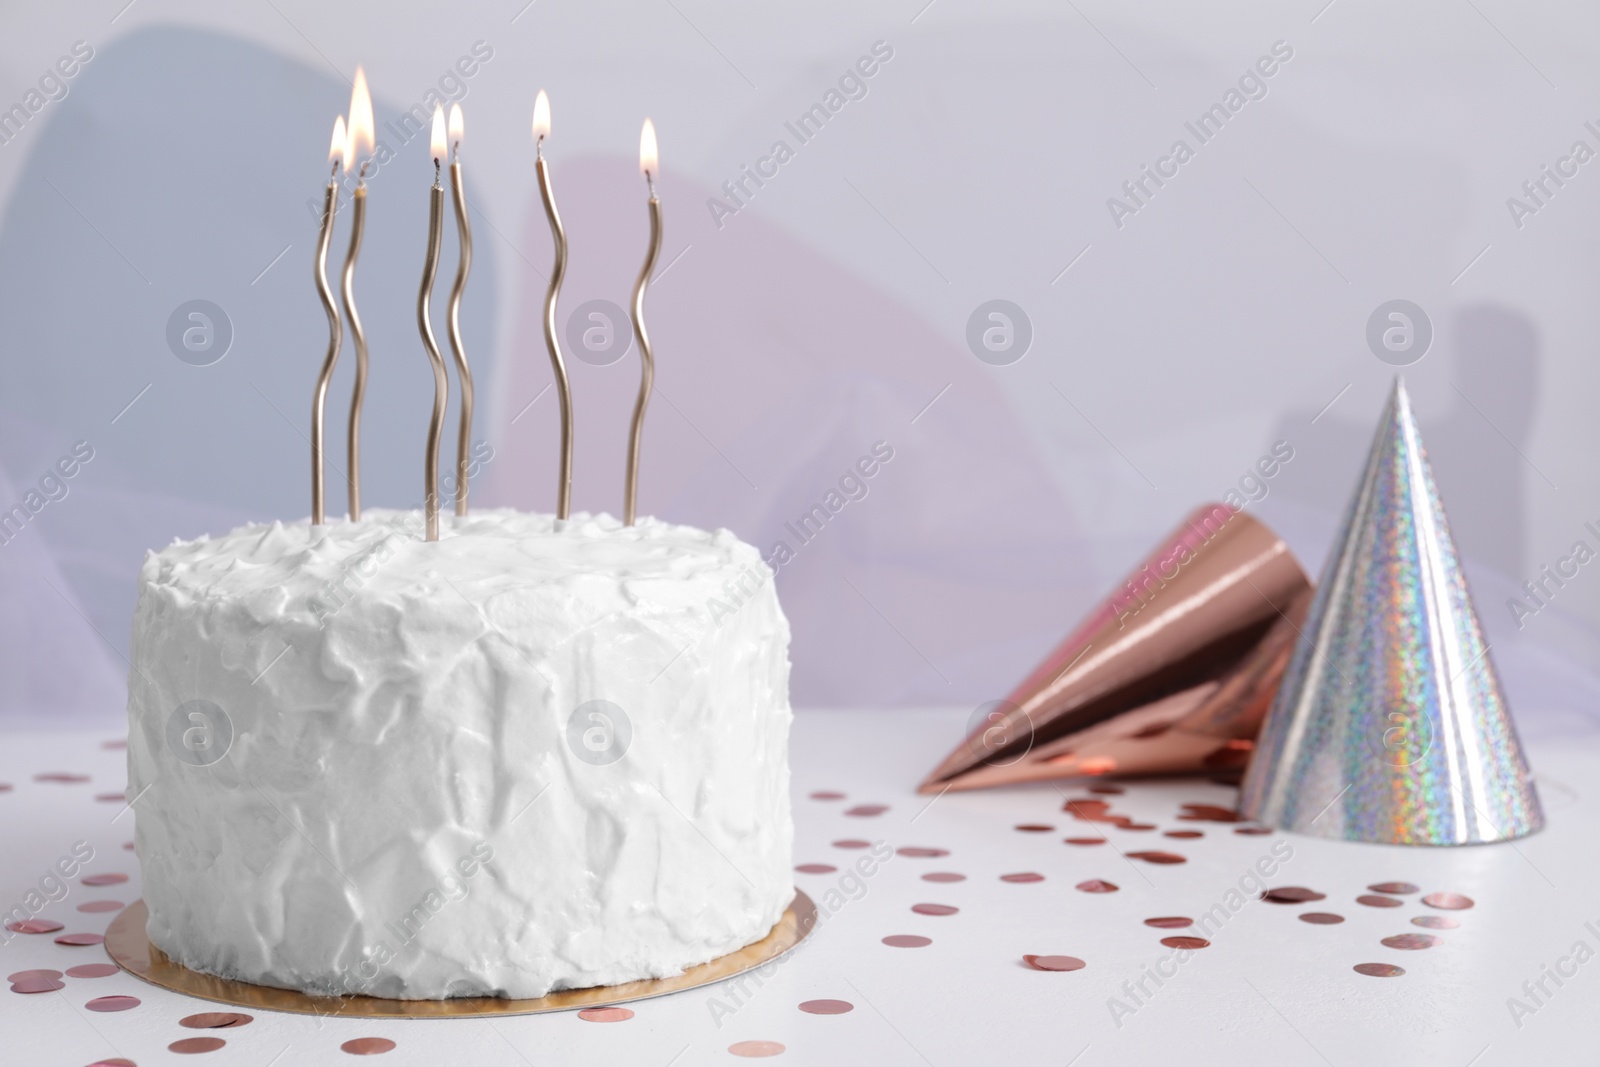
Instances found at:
x=526 y=757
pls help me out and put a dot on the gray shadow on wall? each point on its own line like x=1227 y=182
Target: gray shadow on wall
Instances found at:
x=183 y=165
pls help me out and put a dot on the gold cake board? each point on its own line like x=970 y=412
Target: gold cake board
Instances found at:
x=132 y=951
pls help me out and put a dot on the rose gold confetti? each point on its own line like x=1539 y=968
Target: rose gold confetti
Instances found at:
x=5 y=787
x=1395 y=888
x=216 y=1020
x=1434 y=922
x=33 y=926
x=1096 y=885
x=1035 y=827
x=191 y=1045
x=112 y=1003
x=1448 y=901
x=1253 y=831
x=1170 y=922
x=1165 y=859
x=58 y=776
x=93 y=906
x=1321 y=918
x=93 y=970
x=1185 y=835
x=367 y=1046
x=934 y=909
x=37 y=972
x=826 y=1007
x=115 y=1062
x=1379 y=970
x=944 y=876
x=1292 y=894
x=816 y=868
x=1208 y=813
x=104 y=878
x=1136 y=826
x=852 y=842
x=1412 y=941
x=1084 y=841
x=1022 y=877
x=80 y=939
x=38 y=985
x=1107 y=790
x=756 y=1049
x=907 y=941
x=1184 y=941
x=128 y=845
x=605 y=1015
x=827 y=794
x=1054 y=963
x=1372 y=900
x=111 y=798
x=867 y=810
x=918 y=852
x=115 y=745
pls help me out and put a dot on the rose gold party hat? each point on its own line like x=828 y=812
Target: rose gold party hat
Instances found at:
x=1174 y=672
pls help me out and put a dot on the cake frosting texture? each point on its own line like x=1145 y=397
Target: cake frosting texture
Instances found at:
x=519 y=759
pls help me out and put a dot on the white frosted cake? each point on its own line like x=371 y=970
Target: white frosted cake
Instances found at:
x=515 y=760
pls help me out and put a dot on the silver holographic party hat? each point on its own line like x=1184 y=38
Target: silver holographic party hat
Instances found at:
x=1390 y=725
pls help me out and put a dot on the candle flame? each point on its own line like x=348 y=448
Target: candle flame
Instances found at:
x=648 y=159
x=541 y=117
x=340 y=149
x=457 y=126
x=437 y=139
x=361 y=127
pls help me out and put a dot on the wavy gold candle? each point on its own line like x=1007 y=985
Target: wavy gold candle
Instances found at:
x=441 y=383
x=453 y=322
x=558 y=271
x=330 y=204
x=648 y=165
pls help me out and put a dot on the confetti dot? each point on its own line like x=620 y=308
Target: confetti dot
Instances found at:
x=1448 y=901
x=1159 y=858
x=1208 y=813
x=920 y=852
x=367 y=1046
x=1412 y=942
x=115 y=745
x=1054 y=963
x=1379 y=970
x=93 y=970
x=92 y=906
x=38 y=972
x=944 y=876
x=1292 y=894
x=1321 y=918
x=188 y=1046
x=1035 y=827
x=112 y=798
x=934 y=909
x=1141 y=826
x=1253 y=831
x=1097 y=885
x=1170 y=922
x=37 y=985
x=755 y=1049
x=33 y=926
x=605 y=1015
x=852 y=842
x=59 y=776
x=826 y=794
x=1399 y=888
x=104 y=878
x=117 y=1062
x=80 y=939
x=1434 y=922
x=867 y=811
x=5 y=787
x=907 y=941
x=826 y=1007
x=1372 y=900
x=128 y=845
x=1185 y=835
x=1107 y=790
x=1022 y=877
x=816 y=868
x=112 y=1003
x=1085 y=840
x=1184 y=941
x=216 y=1020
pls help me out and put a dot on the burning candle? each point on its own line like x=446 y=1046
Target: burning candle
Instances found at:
x=648 y=165
x=358 y=145
x=558 y=270
x=441 y=383
x=463 y=266
x=330 y=203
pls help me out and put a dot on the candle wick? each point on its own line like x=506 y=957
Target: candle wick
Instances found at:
x=334 y=171
x=455 y=152
x=436 y=171
x=650 y=184
x=362 y=176
x=538 y=147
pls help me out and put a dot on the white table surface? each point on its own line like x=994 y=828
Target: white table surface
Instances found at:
x=1269 y=989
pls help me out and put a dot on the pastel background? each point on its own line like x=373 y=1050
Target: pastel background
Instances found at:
x=1175 y=340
